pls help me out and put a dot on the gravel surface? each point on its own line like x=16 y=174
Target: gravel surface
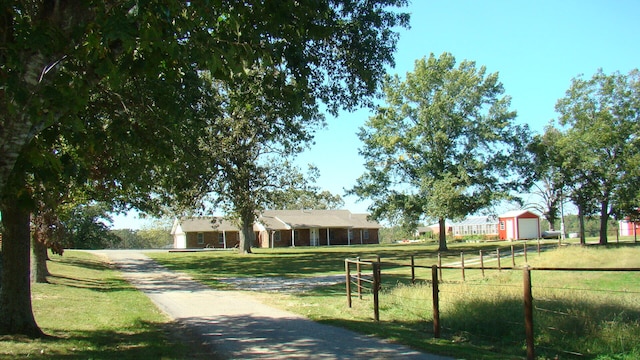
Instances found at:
x=234 y=325
x=282 y=284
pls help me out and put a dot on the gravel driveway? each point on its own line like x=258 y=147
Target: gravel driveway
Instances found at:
x=234 y=325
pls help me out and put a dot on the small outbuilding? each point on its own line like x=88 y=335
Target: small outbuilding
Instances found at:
x=629 y=227
x=519 y=225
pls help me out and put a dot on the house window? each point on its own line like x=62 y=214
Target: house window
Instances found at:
x=200 y=238
x=276 y=236
x=220 y=238
x=365 y=234
x=501 y=225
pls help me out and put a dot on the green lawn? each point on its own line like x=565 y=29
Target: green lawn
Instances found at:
x=592 y=314
x=89 y=312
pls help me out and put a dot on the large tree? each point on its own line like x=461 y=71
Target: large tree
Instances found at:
x=442 y=146
x=545 y=174
x=250 y=139
x=601 y=144
x=118 y=84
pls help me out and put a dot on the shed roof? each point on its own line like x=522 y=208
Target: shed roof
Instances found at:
x=516 y=213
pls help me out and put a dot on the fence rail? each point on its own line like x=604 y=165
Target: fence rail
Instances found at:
x=374 y=278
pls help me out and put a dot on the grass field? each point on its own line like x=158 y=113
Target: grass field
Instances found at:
x=89 y=312
x=583 y=315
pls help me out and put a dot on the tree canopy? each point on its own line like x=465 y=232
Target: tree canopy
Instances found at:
x=599 y=144
x=116 y=90
x=442 y=146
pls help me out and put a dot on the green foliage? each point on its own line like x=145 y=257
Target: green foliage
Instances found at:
x=591 y=225
x=112 y=97
x=600 y=146
x=443 y=146
x=85 y=228
x=394 y=233
x=142 y=239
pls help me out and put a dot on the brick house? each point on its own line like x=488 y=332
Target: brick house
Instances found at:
x=279 y=228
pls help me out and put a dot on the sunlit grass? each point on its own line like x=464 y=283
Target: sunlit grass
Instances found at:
x=593 y=314
x=89 y=312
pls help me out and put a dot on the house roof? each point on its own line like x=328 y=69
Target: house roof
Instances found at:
x=283 y=220
x=209 y=223
x=315 y=218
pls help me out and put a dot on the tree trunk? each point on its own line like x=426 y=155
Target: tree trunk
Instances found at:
x=15 y=134
x=39 y=270
x=604 y=222
x=583 y=240
x=246 y=235
x=442 y=236
x=16 y=313
x=552 y=224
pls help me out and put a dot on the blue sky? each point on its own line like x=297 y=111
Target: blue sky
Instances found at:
x=537 y=47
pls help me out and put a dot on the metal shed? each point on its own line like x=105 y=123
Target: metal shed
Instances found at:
x=519 y=225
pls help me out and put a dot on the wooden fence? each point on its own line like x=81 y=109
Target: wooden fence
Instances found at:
x=373 y=278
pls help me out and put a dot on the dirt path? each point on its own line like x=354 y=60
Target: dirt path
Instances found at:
x=234 y=325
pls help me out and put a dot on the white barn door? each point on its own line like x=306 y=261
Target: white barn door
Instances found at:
x=528 y=229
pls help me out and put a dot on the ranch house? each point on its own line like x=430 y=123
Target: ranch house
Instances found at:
x=279 y=228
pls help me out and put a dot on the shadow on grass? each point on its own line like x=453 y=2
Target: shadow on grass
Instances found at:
x=144 y=340
x=87 y=262
x=101 y=285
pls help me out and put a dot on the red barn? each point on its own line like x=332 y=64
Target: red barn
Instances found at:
x=518 y=225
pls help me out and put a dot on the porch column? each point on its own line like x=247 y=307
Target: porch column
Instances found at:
x=361 y=236
x=349 y=233
x=224 y=238
x=293 y=237
x=328 y=241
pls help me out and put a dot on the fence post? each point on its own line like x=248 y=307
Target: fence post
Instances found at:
x=462 y=264
x=436 y=302
x=359 y=270
x=498 y=254
x=440 y=265
x=376 y=290
x=348 y=279
x=528 y=313
x=513 y=257
x=413 y=271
